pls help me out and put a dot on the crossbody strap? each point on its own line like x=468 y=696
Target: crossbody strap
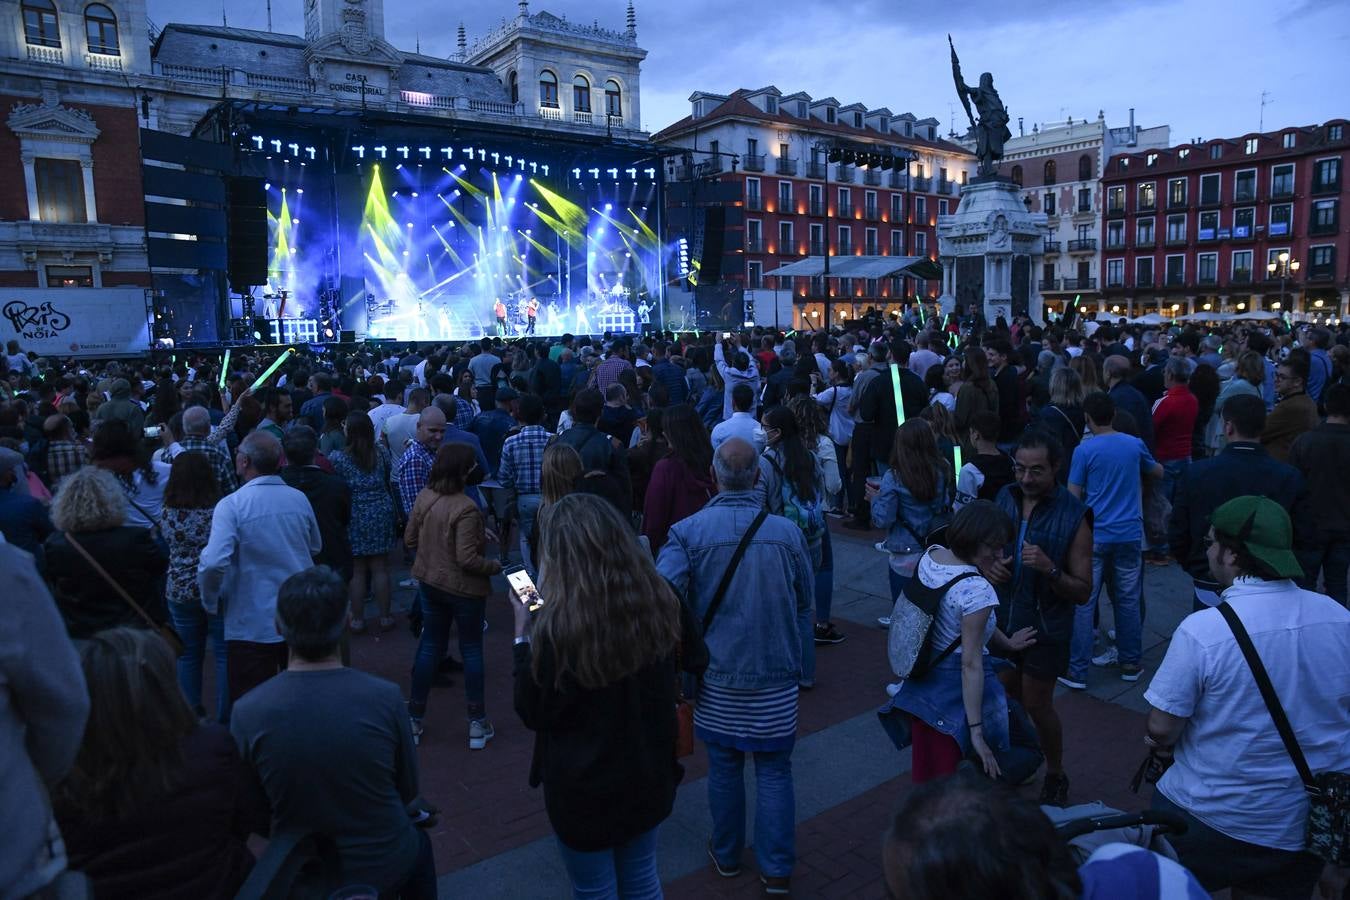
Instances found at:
x=112 y=582
x=736 y=557
x=950 y=648
x=1268 y=694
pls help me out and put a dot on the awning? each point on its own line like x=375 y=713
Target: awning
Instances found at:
x=862 y=267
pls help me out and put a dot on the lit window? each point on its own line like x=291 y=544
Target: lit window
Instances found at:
x=548 y=89
x=1288 y=140
x=39 y=23
x=581 y=94
x=614 y=100
x=1249 y=146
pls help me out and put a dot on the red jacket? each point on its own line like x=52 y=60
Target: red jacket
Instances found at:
x=675 y=492
x=1174 y=423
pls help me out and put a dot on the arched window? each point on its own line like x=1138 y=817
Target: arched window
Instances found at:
x=513 y=84
x=1017 y=175
x=581 y=94
x=548 y=89
x=1085 y=168
x=100 y=27
x=39 y=23
x=1049 y=171
x=613 y=99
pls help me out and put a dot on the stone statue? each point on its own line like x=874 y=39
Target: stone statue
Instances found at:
x=992 y=128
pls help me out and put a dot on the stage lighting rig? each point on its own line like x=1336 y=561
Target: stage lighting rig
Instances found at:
x=449 y=152
x=360 y=150
x=403 y=151
x=425 y=151
x=382 y=150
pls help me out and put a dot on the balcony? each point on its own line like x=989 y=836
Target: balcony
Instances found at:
x=1176 y=279
x=1241 y=276
x=1208 y=279
x=871 y=213
x=816 y=208
x=1175 y=240
x=1145 y=242
x=1115 y=283
x=51 y=55
x=709 y=166
x=613 y=121
x=1316 y=227
x=754 y=203
x=1143 y=281
x=1177 y=204
x=754 y=245
x=1115 y=212
x=843 y=174
x=871 y=250
x=786 y=207
x=582 y=117
x=1080 y=284
x=845 y=248
x=785 y=166
x=817 y=248
x=1209 y=201
x=104 y=62
x=946 y=187
x=1049 y=284
x=1282 y=191
x=872 y=177
x=815 y=170
x=1116 y=243
x=1053 y=247
x=898 y=181
x=753 y=162
x=1321 y=273
x=551 y=113
x=1244 y=195
x=921 y=183
x=1327 y=187
x=1083 y=245
x=1146 y=207
x=1083 y=209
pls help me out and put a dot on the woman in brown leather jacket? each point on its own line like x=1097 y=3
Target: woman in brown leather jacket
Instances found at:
x=448 y=531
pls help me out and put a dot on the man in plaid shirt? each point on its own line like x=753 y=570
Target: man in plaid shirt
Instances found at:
x=522 y=466
x=607 y=372
x=414 y=466
x=64 y=454
x=196 y=427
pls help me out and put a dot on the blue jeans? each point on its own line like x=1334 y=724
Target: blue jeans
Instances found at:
x=775 y=808
x=194 y=625
x=627 y=871
x=897 y=582
x=527 y=509
x=1173 y=470
x=439 y=611
x=1118 y=565
x=824 y=596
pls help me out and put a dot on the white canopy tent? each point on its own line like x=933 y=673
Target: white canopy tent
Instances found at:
x=851 y=267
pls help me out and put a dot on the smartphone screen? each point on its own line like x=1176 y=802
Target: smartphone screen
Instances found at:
x=523 y=587
x=152 y=431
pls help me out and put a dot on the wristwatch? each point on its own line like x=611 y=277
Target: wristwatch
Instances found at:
x=1055 y=573
x=523 y=639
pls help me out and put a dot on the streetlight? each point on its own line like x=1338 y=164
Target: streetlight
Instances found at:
x=1285 y=265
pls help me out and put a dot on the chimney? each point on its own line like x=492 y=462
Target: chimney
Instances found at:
x=1134 y=131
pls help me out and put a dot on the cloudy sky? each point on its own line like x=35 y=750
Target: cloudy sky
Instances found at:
x=1199 y=65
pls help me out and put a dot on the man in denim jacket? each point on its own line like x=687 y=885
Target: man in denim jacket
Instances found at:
x=749 y=698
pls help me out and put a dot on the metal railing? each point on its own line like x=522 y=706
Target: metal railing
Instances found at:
x=815 y=170
x=754 y=245
x=1145 y=243
x=843 y=173
x=871 y=212
x=1083 y=245
x=1241 y=276
x=872 y=177
x=1144 y=282
x=898 y=181
x=921 y=183
x=785 y=166
x=753 y=162
x=1049 y=284
x=817 y=248
x=1052 y=247
x=816 y=208
x=754 y=203
x=946 y=187
x=1080 y=284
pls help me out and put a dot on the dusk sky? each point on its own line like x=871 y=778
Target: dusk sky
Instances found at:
x=1197 y=65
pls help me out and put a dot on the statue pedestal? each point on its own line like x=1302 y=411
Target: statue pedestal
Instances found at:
x=991 y=250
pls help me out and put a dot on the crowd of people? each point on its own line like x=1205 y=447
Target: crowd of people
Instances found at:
x=661 y=514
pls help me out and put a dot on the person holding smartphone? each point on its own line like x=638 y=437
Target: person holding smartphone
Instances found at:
x=450 y=535
x=595 y=679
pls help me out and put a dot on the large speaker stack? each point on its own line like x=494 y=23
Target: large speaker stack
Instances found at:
x=246 y=216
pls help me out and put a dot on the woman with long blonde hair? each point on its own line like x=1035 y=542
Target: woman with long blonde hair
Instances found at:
x=595 y=675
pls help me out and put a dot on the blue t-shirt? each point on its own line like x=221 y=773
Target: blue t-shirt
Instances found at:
x=1109 y=467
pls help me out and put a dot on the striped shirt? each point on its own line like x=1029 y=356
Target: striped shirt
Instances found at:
x=756 y=720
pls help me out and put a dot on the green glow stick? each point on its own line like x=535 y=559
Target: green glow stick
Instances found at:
x=224 y=368
x=899 y=403
x=262 y=379
x=956 y=455
x=1077 y=298
x=923 y=318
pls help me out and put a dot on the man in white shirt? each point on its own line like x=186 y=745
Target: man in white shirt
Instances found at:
x=923 y=359
x=393 y=393
x=742 y=422
x=400 y=427
x=1232 y=779
x=261 y=535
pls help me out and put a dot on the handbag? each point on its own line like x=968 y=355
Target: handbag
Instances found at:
x=168 y=634
x=684 y=711
x=1328 y=829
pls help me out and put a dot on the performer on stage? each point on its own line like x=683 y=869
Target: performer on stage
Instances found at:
x=644 y=312
x=583 y=323
x=499 y=310
x=531 y=313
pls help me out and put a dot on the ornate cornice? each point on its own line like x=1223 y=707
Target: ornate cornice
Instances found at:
x=52 y=122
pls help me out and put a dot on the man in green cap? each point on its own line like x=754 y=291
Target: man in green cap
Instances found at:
x=1232 y=779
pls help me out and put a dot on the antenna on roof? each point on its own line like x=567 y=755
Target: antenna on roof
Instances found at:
x=223 y=21
x=269 y=15
x=1265 y=101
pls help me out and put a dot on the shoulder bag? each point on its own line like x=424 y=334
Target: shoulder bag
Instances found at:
x=1328 y=829
x=684 y=713
x=168 y=634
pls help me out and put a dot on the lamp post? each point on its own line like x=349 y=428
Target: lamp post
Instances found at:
x=1284 y=265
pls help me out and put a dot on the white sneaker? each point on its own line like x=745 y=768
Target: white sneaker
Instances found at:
x=1109 y=658
x=480 y=732
x=893 y=689
x=408 y=583
x=884 y=621
x=1111 y=634
x=880 y=547
x=1071 y=684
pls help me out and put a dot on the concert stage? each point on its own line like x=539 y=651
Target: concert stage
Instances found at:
x=399 y=227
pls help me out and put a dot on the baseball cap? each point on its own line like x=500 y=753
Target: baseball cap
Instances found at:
x=1263 y=529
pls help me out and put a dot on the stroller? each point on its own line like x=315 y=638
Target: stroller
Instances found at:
x=1088 y=826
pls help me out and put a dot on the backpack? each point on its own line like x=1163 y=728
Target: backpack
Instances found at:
x=809 y=516
x=910 y=641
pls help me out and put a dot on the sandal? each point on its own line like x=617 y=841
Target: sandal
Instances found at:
x=358 y=626
x=386 y=623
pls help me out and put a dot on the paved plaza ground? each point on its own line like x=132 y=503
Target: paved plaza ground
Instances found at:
x=494 y=839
